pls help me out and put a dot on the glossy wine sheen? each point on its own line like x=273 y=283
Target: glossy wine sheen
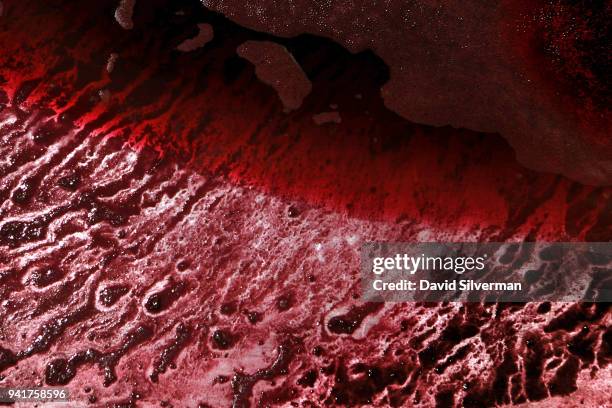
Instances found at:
x=169 y=236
